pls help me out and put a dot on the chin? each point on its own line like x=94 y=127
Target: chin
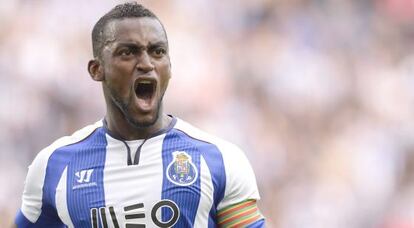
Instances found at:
x=143 y=121
x=140 y=119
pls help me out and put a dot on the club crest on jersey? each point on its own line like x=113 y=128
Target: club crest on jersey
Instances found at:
x=181 y=170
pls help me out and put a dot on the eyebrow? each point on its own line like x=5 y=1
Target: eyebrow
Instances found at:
x=159 y=43
x=133 y=44
x=127 y=44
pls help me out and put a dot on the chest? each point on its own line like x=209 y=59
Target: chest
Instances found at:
x=169 y=185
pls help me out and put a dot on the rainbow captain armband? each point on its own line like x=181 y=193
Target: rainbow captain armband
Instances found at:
x=243 y=214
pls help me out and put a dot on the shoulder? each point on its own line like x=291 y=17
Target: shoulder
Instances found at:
x=216 y=150
x=43 y=156
x=228 y=164
x=225 y=147
x=36 y=192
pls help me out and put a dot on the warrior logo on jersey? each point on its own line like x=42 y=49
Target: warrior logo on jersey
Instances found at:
x=181 y=170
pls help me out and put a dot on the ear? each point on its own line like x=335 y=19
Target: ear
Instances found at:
x=95 y=70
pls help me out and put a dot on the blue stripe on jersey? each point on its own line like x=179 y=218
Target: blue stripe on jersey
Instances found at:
x=56 y=164
x=187 y=197
x=258 y=224
x=21 y=221
x=215 y=163
x=85 y=191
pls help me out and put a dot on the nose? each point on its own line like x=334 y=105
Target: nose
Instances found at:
x=144 y=64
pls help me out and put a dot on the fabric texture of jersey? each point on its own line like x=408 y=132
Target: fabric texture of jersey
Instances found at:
x=179 y=177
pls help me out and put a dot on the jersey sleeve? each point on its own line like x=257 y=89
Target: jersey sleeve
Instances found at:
x=238 y=207
x=35 y=210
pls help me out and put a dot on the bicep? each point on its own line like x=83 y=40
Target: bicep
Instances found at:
x=243 y=214
x=240 y=179
x=35 y=211
x=238 y=208
x=31 y=206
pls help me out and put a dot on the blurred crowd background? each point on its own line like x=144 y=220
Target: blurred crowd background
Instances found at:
x=318 y=93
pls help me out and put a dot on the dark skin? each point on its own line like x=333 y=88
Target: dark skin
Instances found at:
x=135 y=51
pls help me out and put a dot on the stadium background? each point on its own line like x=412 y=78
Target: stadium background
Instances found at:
x=320 y=95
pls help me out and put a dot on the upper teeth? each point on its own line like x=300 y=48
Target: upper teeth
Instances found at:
x=145 y=82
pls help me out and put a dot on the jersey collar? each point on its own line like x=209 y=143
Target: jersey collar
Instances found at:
x=157 y=133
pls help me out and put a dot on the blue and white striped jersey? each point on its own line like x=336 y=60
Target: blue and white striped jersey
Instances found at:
x=180 y=177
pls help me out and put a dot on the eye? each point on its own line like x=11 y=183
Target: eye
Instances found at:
x=159 y=52
x=125 y=52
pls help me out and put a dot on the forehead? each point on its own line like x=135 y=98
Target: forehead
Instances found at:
x=140 y=30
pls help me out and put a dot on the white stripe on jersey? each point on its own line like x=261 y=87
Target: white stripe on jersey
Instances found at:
x=33 y=190
x=61 y=203
x=124 y=184
x=206 y=199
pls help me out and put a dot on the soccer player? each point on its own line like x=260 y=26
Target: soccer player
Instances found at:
x=138 y=167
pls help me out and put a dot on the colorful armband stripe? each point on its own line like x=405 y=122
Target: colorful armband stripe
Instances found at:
x=239 y=215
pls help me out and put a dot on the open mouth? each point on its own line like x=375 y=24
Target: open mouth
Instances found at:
x=145 y=89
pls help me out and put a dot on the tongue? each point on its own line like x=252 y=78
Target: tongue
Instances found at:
x=144 y=94
x=144 y=103
x=144 y=99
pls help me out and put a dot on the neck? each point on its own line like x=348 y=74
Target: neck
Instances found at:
x=118 y=125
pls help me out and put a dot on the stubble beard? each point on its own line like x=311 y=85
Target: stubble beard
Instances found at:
x=124 y=107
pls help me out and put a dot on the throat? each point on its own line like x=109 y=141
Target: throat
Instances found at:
x=121 y=129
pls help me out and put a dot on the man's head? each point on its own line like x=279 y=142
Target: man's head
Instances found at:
x=126 y=10
x=131 y=60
